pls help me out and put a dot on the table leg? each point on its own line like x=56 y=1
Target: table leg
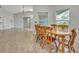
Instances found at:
x=62 y=44
x=58 y=47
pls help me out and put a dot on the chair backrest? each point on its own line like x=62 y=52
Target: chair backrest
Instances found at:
x=48 y=30
x=48 y=34
x=72 y=36
x=42 y=30
x=54 y=26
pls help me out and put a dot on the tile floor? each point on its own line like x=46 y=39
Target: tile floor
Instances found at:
x=21 y=41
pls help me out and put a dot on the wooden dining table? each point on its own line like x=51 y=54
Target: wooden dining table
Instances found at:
x=61 y=35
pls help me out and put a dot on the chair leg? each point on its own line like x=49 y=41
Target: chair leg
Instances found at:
x=43 y=43
x=73 y=49
x=63 y=49
x=57 y=49
x=36 y=38
x=55 y=43
x=40 y=42
x=69 y=48
x=50 y=48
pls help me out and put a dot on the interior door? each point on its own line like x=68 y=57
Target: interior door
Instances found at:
x=27 y=22
x=1 y=23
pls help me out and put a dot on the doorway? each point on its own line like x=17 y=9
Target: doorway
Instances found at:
x=27 y=22
x=1 y=23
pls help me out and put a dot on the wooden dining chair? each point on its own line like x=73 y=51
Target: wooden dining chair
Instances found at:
x=42 y=31
x=48 y=38
x=38 y=32
x=71 y=41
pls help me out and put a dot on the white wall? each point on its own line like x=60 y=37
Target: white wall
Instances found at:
x=44 y=8
x=8 y=19
x=18 y=19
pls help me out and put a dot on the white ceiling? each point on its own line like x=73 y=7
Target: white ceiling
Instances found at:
x=17 y=8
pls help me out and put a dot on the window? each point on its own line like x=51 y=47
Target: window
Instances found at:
x=62 y=20
x=43 y=18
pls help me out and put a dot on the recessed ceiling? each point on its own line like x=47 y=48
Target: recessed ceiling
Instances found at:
x=17 y=8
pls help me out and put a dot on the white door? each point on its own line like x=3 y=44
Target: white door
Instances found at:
x=27 y=22
x=1 y=23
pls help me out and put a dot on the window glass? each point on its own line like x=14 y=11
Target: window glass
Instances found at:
x=62 y=19
x=43 y=18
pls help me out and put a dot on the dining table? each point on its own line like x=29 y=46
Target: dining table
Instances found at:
x=62 y=35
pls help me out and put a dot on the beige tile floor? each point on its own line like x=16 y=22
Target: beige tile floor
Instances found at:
x=21 y=41
x=16 y=40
